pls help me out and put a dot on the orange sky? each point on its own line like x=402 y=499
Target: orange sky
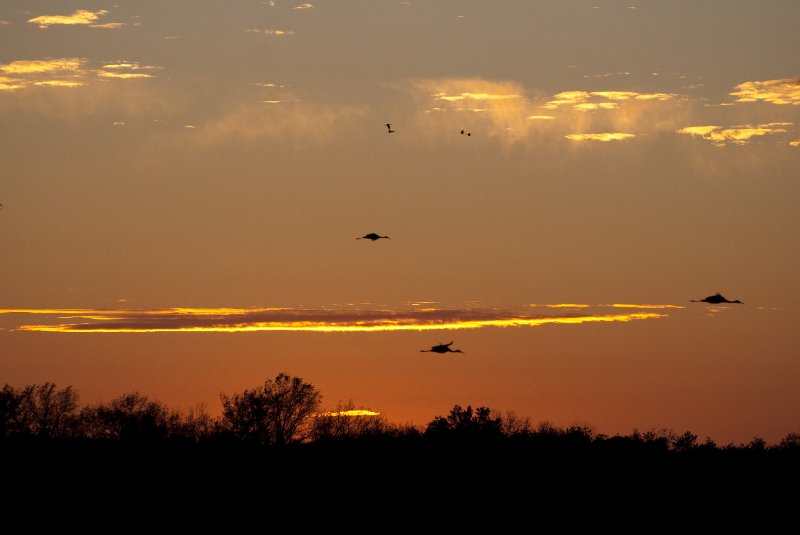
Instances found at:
x=169 y=169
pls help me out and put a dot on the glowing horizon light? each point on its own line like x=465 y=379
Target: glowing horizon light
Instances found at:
x=350 y=413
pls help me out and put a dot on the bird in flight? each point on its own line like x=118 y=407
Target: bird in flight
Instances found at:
x=441 y=348
x=389 y=126
x=372 y=236
x=468 y=133
x=715 y=299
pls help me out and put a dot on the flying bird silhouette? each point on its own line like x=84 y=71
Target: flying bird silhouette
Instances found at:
x=715 y=299
x=372 y=236
x=441 y=348
x=389 y=126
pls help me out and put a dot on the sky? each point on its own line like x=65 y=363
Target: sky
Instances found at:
x=561 y=182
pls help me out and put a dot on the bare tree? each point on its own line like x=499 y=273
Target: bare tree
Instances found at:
x=46 y=410
x=276 y=413
x=130 y=417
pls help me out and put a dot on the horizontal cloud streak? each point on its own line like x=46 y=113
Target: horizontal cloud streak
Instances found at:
x=739 y=134
x=66 y=72
x=308 y=320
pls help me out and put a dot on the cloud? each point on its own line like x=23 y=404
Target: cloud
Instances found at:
x=289 y=121
x=737 y=135
x=607 y=136
x=347 y=319
x=516 y=116
x=109 y=26
x=80 y=17
x=275 y=33
x=602 y=100
x=785 y=91
x=43 y=65
x=795 y=143
x=304 y=6
x=64 y=72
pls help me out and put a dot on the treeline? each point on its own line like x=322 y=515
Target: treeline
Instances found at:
x=286 y=413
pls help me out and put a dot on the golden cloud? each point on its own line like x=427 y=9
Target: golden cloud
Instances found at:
x=10 y=84
x=59 y=83
x=601 y=100
x=80 y=17
x=276 y=33
x=303 y=6
x=795 y=143
x=591 y=106
x=109 y=26
x=607 y=136
x=500 y=108
x=473 y=96
x=123 y=75
x=541 y=117
x=64 y=72
x=785 y=91
x=738 y=135
x=305 y=320
x=43 y=65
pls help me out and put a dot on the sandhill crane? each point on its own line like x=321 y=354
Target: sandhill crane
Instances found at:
x=441 y=348
x=372 y=236
x=715 y=299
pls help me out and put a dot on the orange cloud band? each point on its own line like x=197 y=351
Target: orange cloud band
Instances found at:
x=302 y=320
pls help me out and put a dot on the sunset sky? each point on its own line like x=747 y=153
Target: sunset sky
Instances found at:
x=182 y=185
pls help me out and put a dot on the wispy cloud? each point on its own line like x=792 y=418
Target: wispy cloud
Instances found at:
x=307 y=320
x=42 y=65
x=283 y=119
x=602 y=100
x=271 y=32
x=65 y=72
x=606 y=136
x=21 y=74
x=785 y=91
x=738 y=135
x=517 y=116
x=109 y=25
x=81 y=17
x=303 y=6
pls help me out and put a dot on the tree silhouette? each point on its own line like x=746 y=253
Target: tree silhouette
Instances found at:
x=132 y=417
x=11 y=418
x=42 y=411
x=466 y=423
x=276 y=413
